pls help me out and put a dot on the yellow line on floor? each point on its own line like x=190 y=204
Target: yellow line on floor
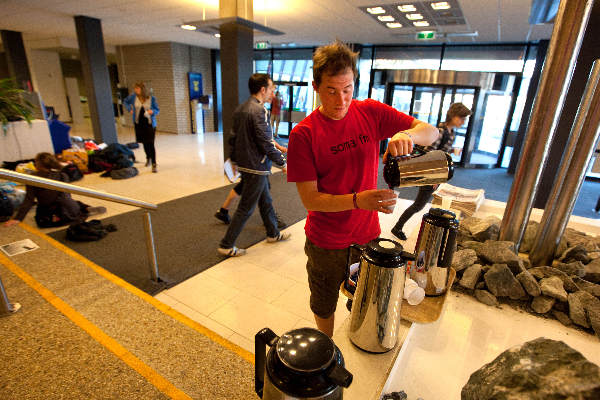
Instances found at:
x=245 y=354
x=108 y=342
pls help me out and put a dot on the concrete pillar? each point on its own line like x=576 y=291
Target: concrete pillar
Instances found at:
x=16 y=58
x=97 y=81
x=237 y=43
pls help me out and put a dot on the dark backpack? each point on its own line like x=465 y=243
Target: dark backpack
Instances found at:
x=87 y=231
x=72 y=172
x=6 y=207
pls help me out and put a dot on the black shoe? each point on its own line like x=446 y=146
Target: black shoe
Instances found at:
x=147 y=162
x=280 y=223
x=223 y=216
x=397 y=231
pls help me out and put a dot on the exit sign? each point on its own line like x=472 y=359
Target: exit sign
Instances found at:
x=426 y=35
x=261 y=45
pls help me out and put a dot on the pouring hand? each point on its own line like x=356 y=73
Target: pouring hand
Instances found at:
x=376 y=200
x=401 y=144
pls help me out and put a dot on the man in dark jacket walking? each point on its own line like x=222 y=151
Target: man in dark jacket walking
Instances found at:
x=253 y=152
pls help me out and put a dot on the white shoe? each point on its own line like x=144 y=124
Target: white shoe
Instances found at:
x=280 y=238
x=232 y=252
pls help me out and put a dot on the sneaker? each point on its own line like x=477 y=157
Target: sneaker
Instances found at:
x=280 y=223
x=154 y=168
x=398 y=233
x=223 y=216
x=95 y=211
x=279 y=238
x=147 y=162
x=232 y=252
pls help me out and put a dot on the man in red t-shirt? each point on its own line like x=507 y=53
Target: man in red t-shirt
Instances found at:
x=333 y=156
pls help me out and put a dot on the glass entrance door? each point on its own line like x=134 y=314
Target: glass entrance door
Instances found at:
x=296 y=104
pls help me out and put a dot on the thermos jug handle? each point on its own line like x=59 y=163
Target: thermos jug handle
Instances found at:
x=420 y=149
x=265 y=337
x=408 y=256
x=348 y=289
x=340 y=376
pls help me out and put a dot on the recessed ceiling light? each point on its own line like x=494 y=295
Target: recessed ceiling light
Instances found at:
x=188 y=27
x=442 y=5
x=413 y=17
x=375 y=10
x=407 y=8
x=421 y=23
x=394 y=25
x=386 y=18
x=217 y=35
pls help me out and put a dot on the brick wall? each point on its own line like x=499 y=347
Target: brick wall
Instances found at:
x=164 y=68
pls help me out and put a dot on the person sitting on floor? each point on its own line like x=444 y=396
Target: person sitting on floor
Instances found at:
x=54 y=208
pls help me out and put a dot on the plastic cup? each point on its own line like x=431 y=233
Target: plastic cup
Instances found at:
x=413 y=293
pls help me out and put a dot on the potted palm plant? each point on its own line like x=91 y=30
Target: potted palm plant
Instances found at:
x=13 y=107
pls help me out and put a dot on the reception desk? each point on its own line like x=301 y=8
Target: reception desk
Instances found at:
x=23 y=141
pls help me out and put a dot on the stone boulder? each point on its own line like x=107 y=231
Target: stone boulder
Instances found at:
x=576 y=253
x=562 y=317
x=471 y=276
x=529 y=283
x=592 y=271
x=529 y=236
x=502 y=283
x=486 y=297
x=542 y=304
x=483 y=229
x=584 y=310
x=561 y=248
x=470 y=244
x=546 y=272
x=536 y=370
x=575 y=268
x=575 y=238
x=591 y=288
x=495 y=252
x=553 y=287
x=463 y=235
x=463 y=259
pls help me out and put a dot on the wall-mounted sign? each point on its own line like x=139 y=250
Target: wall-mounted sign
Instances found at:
x=425 y=35
x=195 y=82
x=261 y=45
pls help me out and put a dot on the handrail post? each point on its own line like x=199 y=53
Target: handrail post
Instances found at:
x=6 y=307
x=150 y=245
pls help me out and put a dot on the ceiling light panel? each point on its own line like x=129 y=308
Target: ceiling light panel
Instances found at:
x=394 y=25
x=440 y=5
x=386 y=18
x=376 y=10
x=188 y=27
x=421 y=23
x=414 y=17
x=407 y=8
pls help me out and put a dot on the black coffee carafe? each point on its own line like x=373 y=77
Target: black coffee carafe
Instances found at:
x=301 y=364
x=422 y=167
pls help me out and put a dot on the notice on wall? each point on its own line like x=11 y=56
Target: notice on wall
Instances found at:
x=20 y=247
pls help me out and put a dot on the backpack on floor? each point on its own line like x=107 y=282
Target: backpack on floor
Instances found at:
x=86 y=232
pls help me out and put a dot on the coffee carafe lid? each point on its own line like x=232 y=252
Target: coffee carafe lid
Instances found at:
x=385 y=253
x=441 y=217
x=305 y=350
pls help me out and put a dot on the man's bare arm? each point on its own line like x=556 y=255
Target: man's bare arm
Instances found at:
x=375 y=200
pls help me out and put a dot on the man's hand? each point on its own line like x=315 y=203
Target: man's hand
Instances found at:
x=11 y=222
x=401 y=144
x=284 y=169
x=150 y=112
x=376 y=200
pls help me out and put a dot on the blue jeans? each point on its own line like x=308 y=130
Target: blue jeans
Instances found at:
x=255 y=191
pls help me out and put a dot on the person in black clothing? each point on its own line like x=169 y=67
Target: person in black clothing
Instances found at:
x=253 y=152
x=144 y=109
x=54 y=208
x=455 y=118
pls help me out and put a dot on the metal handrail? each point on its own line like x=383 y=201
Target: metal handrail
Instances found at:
x=82 y=191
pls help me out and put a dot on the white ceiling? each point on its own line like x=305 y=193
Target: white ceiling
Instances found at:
x=49 y=23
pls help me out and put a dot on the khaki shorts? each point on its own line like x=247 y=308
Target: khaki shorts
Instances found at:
x=327 y=270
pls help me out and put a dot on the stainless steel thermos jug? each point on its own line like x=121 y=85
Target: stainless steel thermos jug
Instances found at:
x=375 y=314
x=422 y=167
x=301 y=364
x=434 y=250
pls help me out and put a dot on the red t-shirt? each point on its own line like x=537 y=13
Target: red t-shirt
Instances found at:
x=342 y=156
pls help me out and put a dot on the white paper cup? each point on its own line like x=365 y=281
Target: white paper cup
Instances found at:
x=413 y=293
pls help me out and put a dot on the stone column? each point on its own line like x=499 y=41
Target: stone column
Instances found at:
x=237 y=43
x=97 y=81
x=16 y=58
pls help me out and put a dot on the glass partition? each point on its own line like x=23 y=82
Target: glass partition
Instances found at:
x=500 y=58
x=407 y=57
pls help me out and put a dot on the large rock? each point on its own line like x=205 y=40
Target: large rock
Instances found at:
x=483 y=229
x=591 y=288
x=576 y=253
x=486 y=297
x=575 y=268
x=537 y=370
x=561 y=248
x=463 y=259
x=577 y=309
x=463 y=235
x=562 y=317
x=502 y=283
x=591 y=310
x=575 y=238
x=471 y=276
x=553 y=287
x=470 y=244
x=529 y=236
x=542 y=304
x=546 y=272
x=529 y=283
x=495 y=252
x=592 y=271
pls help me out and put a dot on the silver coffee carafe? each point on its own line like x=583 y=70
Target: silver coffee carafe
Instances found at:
x=434 y=250
x=422 y=167
x=375 y=314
